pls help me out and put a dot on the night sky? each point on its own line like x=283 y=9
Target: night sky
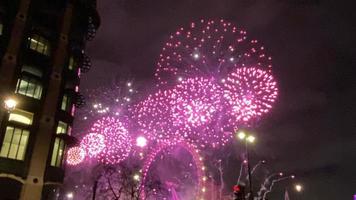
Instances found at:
x=311 y=131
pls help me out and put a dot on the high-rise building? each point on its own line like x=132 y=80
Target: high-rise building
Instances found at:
x=42 y=56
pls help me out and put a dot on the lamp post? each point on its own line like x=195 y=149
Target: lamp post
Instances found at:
x=247 y=139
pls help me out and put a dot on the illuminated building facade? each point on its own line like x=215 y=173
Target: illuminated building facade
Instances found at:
x=42 y=55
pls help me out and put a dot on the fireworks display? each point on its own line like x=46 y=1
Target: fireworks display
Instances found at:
x=212 y=79
x=75 y=155
x=207 y=47
x=117 y=143
x=250 y=93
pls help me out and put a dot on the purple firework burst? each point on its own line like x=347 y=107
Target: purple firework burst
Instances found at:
x=75 y=155
x=93 y=143
x=197 y=107
x=192 y=110
x=250 y=93
x=207 y=47
x=153 y=116
x=117 y=140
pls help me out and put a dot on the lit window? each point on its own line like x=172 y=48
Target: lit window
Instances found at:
x=21 y=116
x=15 y=143
x=62 y=128
x=65 y=106
x=39 y=44
x=72 y=64
x=1 y=28
x=29 y=87
x=32 y=70
x=57 y=153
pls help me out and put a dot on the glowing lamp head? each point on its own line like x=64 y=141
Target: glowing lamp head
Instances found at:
x=298 y=187
x=136 y=177
x=141 y=141
x=70 y=195
x=10 y=104
x=251 y=139
x=241 y=135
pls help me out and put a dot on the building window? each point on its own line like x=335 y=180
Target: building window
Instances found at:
x=15 y=143
x=29 y=87
x=72 y=64
x=63 y=128
x=21 y=116
x=57 y=153
x=32 y=70
x=39 y=44
x=65 y=106
x=58 y=147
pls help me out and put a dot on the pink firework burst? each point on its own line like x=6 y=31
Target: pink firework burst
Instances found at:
x=93 y=143
x=208 y=47
x=194 y=102
x=75 y=155
x=192 y=110
x=197 y=107
x=250 y=93
x=117 y=140
x=153 y=116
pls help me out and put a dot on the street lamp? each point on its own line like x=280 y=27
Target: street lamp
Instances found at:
x=136 y=177
x=10 y=104
x=251 y=138
x=247 y=138
x=298 y=187
x=241 y=135
x=70 y=195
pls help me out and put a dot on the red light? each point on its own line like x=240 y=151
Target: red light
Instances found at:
x=236 y=188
